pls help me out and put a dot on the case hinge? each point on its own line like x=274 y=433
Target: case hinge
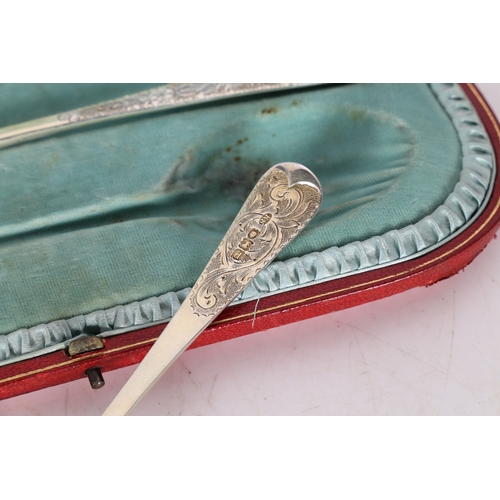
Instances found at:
x=88 y=344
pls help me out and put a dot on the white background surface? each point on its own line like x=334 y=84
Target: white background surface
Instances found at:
x=427 y=351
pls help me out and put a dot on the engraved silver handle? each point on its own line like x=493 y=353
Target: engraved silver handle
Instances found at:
x=281 y=204
x=284 y=200
x=168 y=96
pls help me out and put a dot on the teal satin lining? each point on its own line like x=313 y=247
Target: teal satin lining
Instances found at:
x=128 y=212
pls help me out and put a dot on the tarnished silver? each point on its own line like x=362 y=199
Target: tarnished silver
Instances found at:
x=284 y=200
x=168 y=96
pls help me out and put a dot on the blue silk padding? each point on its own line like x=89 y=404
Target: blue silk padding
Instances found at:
x=106 y=215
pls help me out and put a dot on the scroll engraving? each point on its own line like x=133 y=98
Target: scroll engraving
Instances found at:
x=170 y=95
x=272 y=216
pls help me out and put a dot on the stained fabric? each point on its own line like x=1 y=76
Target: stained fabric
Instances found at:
x=117 y=213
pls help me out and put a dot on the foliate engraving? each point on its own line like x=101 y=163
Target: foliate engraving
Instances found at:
x=272 y=216
x=170 y=95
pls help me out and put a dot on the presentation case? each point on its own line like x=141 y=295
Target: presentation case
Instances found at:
x=106 y=225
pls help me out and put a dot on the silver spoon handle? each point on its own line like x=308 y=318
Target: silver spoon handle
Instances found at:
x=168 y=96
x=284 y=200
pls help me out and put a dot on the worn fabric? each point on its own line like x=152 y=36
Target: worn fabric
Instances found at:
x=111 y=214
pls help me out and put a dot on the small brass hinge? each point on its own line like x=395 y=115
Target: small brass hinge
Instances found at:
x=88 y=344
x=84 y=344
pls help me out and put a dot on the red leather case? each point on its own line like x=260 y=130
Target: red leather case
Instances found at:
x=283 y=308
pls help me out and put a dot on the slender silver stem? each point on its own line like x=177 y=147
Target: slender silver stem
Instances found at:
x=168 y=96
x=284 y=200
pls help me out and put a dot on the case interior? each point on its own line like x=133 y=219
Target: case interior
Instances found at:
x=103 y=229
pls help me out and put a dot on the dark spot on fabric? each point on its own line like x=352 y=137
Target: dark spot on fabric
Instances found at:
x=269 y=111
x=357 y=114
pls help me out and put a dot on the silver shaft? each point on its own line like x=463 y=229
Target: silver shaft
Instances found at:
x=173 y=341
x=284 y=200
x=169 y=96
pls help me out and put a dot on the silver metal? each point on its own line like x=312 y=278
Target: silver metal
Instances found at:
x=168 y=96
x=284 y=200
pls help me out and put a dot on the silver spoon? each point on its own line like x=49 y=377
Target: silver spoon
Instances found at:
x=172 y=95
x=284 y=200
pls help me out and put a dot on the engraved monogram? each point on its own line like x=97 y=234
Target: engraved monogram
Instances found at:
x=164 y=96
x=272 y=216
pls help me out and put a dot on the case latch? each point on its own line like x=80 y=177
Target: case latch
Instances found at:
x=83 y=345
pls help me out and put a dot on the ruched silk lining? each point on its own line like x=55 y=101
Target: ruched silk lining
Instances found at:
x=462 y=205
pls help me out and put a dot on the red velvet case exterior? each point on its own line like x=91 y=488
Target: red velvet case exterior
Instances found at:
x=288 y=307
